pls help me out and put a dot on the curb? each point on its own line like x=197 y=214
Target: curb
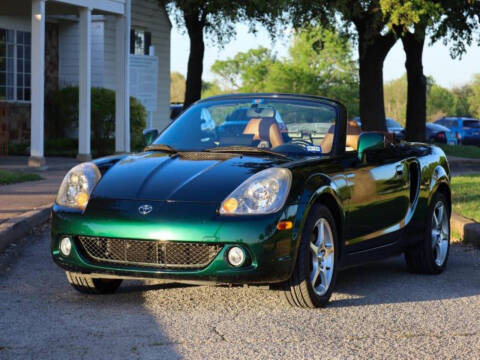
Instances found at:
x=463 y=160
x=464 y=165
x=16 y=228
x=467 y=230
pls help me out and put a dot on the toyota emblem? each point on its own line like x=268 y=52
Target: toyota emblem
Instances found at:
x=145 y=209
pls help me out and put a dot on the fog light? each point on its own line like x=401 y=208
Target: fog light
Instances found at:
x=66 y=246
x=236 y=256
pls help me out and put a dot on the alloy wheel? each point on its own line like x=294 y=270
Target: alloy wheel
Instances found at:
x=440 y=233
x=322 y=257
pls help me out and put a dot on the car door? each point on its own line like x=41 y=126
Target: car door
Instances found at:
x=379 y=191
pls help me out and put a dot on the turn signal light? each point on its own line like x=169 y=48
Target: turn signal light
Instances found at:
x=230 y=205
x=82 y=199
x=284 y=225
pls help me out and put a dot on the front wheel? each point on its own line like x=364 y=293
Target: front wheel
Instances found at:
x=315 y=273
x=430 y=255
x=89 y=285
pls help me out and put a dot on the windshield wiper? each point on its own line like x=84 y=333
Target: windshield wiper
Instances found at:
x=246 y=149
x=162 y=147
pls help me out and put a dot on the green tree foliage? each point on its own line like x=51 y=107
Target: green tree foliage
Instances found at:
x=246 y=71
x=403 y=14
x=409 y=19
x=364 y=22
x=320 y=62
x=474 y=97
x=462 y=107
x=440 y=102
x=177 y=87
x=396 y=99
x=211 y=89
x=214 y=20
x=413 y=20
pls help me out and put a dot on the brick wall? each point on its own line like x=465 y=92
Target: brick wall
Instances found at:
x=18 y=121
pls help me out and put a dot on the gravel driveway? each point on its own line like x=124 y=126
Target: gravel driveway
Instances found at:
x=377 y=311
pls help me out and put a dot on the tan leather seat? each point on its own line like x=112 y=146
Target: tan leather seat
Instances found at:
x=273 y=135
x=327 y=142
x=353 y=133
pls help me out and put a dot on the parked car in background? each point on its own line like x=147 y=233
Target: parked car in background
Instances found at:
x=466 y=130
x=175 y=111
x=435 y=133
x=392 y=127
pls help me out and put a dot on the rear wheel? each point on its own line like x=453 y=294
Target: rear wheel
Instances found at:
x=315 y=273
x=87 y=285
x=430 y=255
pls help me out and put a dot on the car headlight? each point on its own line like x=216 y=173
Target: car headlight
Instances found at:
x=263 y=193
x=77 y=186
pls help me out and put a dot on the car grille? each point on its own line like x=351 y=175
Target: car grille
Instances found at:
x=150 y=253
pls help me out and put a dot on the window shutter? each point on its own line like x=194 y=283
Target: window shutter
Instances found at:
x=132 y=41
x=148 y=42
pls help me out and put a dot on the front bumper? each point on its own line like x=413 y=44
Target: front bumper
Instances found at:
x=271 y=253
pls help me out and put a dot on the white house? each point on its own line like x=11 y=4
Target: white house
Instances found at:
x=123 y=45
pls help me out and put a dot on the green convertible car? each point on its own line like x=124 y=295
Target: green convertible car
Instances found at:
x=255 y=205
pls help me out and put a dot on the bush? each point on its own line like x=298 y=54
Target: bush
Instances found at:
x=62 y=114
x=18 y=148
x=61 y=147
x=53 y=147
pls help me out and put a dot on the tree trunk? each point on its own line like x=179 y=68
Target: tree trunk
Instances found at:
x=193 y=90
x=372 y=53
x=417 y=85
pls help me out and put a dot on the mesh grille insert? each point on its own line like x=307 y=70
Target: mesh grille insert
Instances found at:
x=151 y=253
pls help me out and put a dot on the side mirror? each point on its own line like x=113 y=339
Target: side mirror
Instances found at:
x=370 y=141
x=148 y=136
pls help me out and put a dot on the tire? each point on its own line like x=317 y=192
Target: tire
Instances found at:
x=299 y=290
x=431 y=254
x=88 y=285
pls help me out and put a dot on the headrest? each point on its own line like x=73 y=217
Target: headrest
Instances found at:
x=353 y=128
x=261 y=112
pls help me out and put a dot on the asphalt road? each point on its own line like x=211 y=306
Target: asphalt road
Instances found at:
x=377 y=311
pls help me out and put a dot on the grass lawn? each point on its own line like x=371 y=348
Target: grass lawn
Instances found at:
x=466 y=196
x=10 y=177
x=464 y=151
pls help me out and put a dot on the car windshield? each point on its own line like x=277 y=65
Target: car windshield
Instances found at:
x=282 y=125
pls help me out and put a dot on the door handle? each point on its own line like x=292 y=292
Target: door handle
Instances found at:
x=399 y=170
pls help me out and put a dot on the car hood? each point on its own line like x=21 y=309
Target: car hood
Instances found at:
x=193 y=177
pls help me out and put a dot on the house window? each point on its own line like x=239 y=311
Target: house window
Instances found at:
x=15 y=67
x=140 y=42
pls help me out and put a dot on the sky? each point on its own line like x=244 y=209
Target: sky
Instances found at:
x=436 y=60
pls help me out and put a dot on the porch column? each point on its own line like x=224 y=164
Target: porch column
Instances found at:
x=37 y=84
x=84 y=110
x=122 y=94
